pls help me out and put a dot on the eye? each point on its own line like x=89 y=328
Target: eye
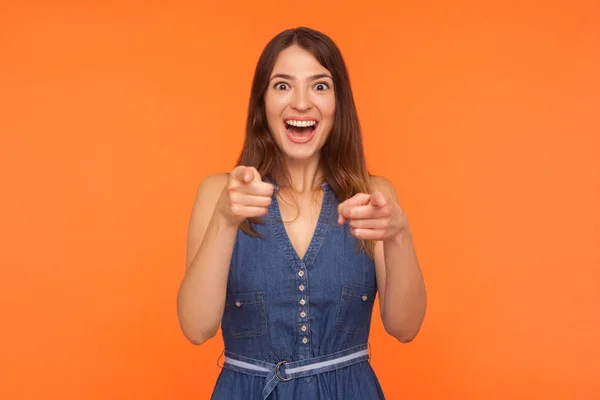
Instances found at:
x=321 y=86
x=281 y=86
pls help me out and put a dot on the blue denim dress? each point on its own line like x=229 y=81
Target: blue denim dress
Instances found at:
x=281 y=308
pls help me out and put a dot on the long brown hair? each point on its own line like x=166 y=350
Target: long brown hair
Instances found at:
x=342 y=156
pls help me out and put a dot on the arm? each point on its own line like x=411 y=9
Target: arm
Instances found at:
x=402 y=292
x=222 y=203
x=201 y=297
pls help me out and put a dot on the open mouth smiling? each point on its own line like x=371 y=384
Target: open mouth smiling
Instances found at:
x=300 y=127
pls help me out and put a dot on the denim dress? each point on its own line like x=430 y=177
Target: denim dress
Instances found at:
x=283 y=310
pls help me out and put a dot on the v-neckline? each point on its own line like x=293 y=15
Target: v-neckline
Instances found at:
x=318 y=234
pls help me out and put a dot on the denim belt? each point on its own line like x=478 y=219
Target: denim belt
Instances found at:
x=284 y=371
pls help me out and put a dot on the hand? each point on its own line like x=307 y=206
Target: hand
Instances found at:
x=372 y=216
x=244 y=196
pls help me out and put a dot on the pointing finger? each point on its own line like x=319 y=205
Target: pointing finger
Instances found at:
x=378 y=199
x=241 y=173
x=356 y=200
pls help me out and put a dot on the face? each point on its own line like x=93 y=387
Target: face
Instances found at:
x=300 y=103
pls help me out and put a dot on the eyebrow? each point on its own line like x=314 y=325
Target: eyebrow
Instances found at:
x=291 y=78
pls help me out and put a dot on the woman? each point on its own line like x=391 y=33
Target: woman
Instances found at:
x=288 y=251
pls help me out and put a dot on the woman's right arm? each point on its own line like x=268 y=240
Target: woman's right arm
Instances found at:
x=222 y=202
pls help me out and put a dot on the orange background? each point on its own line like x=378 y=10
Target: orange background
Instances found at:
x=485 y=117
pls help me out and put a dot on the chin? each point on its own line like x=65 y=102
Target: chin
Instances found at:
x=300 y=153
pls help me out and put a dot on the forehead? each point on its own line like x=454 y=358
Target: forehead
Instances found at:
x=298 y=62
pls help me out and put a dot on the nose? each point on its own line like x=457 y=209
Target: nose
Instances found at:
x=301 y=99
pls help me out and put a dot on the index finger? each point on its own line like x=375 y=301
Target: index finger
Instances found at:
x=243 y=174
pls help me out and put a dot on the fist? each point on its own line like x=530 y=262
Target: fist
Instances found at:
x=245 y=196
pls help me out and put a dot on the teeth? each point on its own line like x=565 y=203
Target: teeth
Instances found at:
x=300 y=123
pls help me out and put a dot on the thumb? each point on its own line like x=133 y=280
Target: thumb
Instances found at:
x=359 y=199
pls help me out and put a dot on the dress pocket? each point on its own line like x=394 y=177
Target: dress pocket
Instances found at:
x=246 y=313
x=355 y=309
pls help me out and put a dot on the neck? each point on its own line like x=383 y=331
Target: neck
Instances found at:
x=306 y=176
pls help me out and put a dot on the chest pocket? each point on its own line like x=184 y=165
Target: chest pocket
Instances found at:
x=246 y=314
x=355 y=309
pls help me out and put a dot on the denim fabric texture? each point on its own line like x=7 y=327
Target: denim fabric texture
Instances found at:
x=280 y=307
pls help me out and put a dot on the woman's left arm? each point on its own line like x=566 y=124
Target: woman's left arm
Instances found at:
x=401 y=287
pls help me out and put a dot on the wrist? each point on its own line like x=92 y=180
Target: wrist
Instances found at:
x=221 y=223
x=401 y=238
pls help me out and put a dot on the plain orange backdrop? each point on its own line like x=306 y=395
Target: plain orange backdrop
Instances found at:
x=486 y=117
